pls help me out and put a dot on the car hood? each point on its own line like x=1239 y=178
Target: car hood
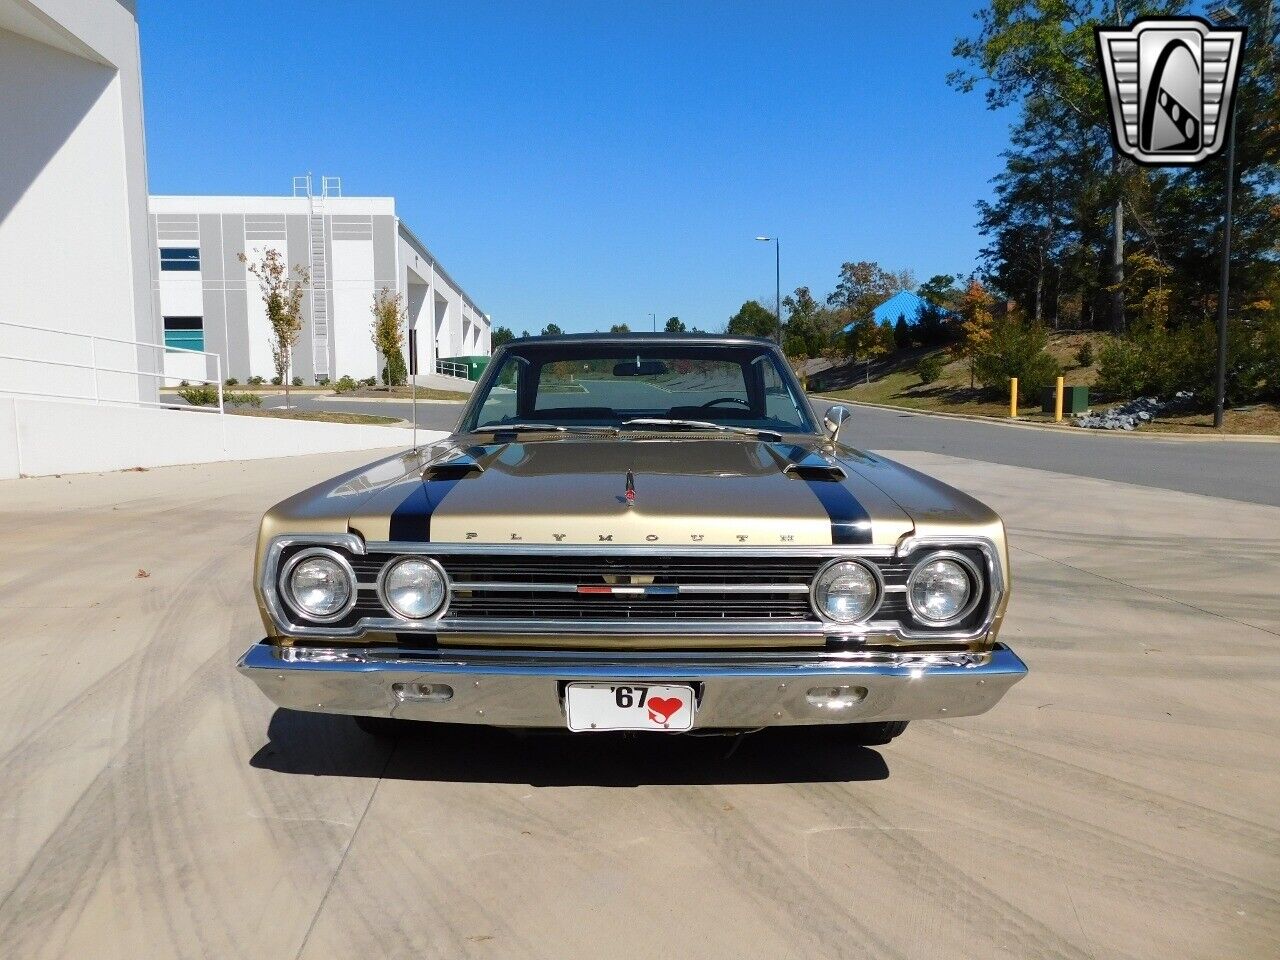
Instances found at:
x=573 y=490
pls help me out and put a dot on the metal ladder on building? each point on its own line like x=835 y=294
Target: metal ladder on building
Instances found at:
x=329 y=186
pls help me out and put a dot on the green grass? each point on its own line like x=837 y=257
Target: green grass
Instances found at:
x=405 y=393
x=899 y=384
x=321 y=416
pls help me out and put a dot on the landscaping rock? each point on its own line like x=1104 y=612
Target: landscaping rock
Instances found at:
x=1127 y=416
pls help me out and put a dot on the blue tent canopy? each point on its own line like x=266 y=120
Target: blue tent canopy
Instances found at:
x=905 y=304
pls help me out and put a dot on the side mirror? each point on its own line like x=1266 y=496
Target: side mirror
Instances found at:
x=833 y=419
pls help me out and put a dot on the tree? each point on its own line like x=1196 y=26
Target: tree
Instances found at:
x=804 y=334
x=501 y=336
x=388 y=335
x=282 y=296
x=975 y=325
x=620 y=328
x=1042 y=55
x=863 y=286
x=1015 y=347
x=552 y=330
x=901 y=333
x=675 y=325
x=753 y=319
x=940 y=291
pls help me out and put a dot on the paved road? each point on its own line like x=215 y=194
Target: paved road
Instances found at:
x=1119 y=803
x=1217 y=468
x=1221 y=468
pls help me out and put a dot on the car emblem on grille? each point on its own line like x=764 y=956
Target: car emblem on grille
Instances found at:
x=631 y=489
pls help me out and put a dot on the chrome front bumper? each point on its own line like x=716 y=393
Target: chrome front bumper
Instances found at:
x=736 y=690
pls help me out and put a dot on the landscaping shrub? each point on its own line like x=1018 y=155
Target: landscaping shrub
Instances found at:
x=369 y=382
x=184 y=383
x=930 y=367
x=202 y=396
x=394 y=373
x=1122 y=368
x=1154 y=361
x=256 y=381
x=1084 y=355
x=1015 y=348
x=242 y=399
x=277 y=381
x=231 y=382
x=322 y=381
x=345 y=384
x=296 y=381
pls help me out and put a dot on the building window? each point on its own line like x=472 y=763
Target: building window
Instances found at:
x=184 y=333
x=179 y=258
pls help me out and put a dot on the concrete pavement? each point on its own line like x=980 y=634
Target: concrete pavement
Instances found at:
x=1120 y=802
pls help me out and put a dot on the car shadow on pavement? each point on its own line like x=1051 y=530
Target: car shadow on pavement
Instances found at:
x=318 y=744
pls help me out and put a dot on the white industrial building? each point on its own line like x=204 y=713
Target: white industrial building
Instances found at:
x=351 y=246
x=74 y=233
x=89 y=275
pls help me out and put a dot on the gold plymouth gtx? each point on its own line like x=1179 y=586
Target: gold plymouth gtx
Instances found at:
x=639 y=532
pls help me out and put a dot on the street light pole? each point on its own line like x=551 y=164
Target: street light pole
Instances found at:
x=777 y=284
x=1224 y=16
x=1224 y=284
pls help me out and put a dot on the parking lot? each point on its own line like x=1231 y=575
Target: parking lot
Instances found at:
x=1120 y=803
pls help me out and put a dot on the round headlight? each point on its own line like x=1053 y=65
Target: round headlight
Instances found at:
x=414 y=589
x=320 y=586
x=942 y=590
x=846 y=591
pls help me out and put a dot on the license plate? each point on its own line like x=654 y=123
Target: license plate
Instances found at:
x=615 y=706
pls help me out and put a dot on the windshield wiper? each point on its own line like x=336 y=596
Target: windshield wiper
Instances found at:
x=678 y=424
x=539 y=428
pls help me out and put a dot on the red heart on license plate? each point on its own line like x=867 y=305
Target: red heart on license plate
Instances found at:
x=661 y=709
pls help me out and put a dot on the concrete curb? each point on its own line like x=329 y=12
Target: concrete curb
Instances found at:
x=1065 y=427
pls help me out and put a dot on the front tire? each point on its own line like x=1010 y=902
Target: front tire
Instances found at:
x=876 y=734
x=384 y=728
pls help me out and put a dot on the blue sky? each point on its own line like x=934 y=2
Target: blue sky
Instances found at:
x=590 y=163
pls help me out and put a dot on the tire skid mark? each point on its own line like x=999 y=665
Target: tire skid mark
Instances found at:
x=153 y=730
x=933 y=878
x=1101 y=847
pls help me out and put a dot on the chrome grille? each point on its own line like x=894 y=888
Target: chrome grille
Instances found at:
x=513 y=587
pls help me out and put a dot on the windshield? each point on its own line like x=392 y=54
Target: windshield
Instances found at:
x=734 y=386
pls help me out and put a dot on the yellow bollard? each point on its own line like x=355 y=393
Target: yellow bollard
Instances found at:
x=1057 y=407
x=1013 y=396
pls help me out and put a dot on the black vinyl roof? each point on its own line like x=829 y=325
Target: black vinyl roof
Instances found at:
x=648 y=339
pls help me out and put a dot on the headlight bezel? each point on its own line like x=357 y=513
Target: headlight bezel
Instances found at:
x=284 y=584
x=876 y=576
x=977 y=590
x=445 y=584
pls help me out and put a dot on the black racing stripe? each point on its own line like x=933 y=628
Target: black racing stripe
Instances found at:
x=411 y=521
x=850 y=522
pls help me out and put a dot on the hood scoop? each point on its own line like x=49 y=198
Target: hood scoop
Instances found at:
x=455 y=468
x=807 y=464
x=818 y=471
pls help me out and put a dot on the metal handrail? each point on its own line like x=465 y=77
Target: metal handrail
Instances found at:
x=451 y=368
x=97 y=368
